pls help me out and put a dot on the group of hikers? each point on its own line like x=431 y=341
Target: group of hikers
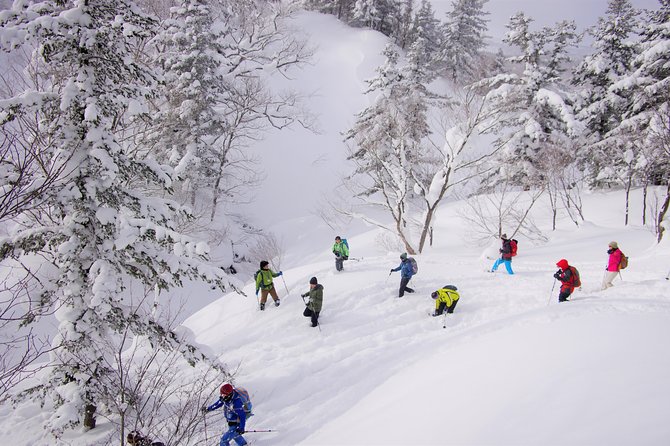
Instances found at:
x=235 y=400
x=567 y=274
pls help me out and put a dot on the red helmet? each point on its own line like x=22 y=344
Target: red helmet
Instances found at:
x=226 y=389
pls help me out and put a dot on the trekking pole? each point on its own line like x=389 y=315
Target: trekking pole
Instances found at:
x=444 y=319
x=260 y=430
x=282 y=279
x=552 y=292
x=667 y=277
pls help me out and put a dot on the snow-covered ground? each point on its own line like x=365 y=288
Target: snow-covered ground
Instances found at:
x=512 y=366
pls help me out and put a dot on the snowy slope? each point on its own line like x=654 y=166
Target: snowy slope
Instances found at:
x=512 y=366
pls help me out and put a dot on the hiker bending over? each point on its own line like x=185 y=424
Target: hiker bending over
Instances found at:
x=569 y=278
x=446 y=299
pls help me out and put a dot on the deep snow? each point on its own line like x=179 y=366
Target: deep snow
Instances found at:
x=512 y=366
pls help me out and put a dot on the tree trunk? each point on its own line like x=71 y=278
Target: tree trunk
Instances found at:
x=627 y=201
x=426 y=228
x=644 y=202
x=554 y=208
x=661 y=214
x=89 y=416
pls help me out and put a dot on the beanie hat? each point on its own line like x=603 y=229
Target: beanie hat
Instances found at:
x=313 y=281
x=403 y=256
x=563 y=264
x=504 y=236
x=337 y=237
x=434 y=295
x=264 y=263
x=614 y=245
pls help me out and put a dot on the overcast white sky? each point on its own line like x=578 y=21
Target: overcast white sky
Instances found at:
x=545 y=12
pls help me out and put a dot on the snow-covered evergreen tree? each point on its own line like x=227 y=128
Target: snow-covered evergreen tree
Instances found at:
x=342 y=9
x=465 y=37
x=102 y=230
x=647 y=93
x=214 y=59
x=427 y=28
x=381 y=15
x=600 y=108
x=190 y=54
x=531 y=105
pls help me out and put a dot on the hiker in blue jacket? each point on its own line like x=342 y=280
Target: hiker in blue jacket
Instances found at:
x=406 y=273
x=236 y=416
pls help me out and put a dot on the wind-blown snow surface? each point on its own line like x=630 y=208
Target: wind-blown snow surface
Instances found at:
x=512 y=366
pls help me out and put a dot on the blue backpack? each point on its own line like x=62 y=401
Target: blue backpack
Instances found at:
x=346 y=243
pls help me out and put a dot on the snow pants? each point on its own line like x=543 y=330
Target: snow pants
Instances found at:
x=563 y=295
x=339 y=262
x=608 y=279
x=507 y=262
x=313 y=314
x=272 y=292
x=232 y=434
x=403 y=286
x=443 y=306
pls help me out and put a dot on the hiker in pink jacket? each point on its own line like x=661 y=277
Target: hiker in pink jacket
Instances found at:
x=612 y=265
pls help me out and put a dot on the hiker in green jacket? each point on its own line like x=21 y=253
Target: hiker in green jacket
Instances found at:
x=313 y=307
x=264 y=284
x=341 y=251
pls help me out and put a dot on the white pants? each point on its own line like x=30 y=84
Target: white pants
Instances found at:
x=608 y=279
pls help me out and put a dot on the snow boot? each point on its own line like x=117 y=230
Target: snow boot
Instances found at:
x=262 y=307
x=277 y=303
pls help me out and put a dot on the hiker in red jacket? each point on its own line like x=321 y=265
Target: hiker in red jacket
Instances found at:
x=612 y=265
x=569 y=278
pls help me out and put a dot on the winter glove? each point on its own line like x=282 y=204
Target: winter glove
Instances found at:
x=203 y=409
x=280 y=273
x=557 y=275
x=256 y=293
x=239 y=430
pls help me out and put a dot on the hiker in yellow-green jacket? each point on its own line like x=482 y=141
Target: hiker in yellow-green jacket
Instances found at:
x=264 y=283
x=341 y=251
x=446 y=298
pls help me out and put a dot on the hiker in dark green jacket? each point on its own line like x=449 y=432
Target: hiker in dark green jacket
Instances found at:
x=264 y=284
x=315 y=294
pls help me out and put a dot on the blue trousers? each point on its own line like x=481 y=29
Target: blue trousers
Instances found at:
x=232 y=434
x=508 y=265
